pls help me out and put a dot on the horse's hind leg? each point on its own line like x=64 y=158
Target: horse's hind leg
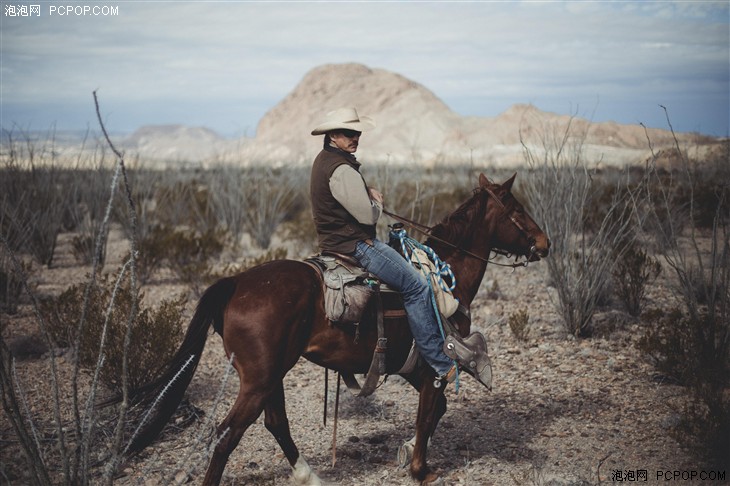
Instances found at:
x=245 y=411
x=277 y=423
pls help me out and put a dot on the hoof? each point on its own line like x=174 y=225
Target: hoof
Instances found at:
x=303 y=475
x=433 y=479
x=405 y=454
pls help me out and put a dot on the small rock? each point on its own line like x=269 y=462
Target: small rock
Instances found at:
x=182 y=477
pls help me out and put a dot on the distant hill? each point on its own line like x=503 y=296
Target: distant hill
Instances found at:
x=176 y=143
x=415 y=126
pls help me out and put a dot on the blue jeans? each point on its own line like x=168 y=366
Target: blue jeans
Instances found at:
x=390 y=267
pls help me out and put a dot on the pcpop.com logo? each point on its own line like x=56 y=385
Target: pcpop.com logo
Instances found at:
x=62 y=10
x=83 y=10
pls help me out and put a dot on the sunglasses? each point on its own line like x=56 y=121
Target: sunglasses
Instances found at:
x=350 y=133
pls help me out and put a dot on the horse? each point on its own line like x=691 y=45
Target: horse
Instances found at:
x=272 y=314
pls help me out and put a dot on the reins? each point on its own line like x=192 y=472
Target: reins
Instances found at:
x=428 y=231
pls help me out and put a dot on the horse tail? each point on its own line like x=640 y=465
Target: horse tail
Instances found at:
x=166 y=392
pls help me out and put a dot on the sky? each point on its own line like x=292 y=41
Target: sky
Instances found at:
x=224 y=64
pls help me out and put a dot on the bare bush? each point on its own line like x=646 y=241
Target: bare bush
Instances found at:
x=272 y=197
x=190 y=254
x=105 y=330
x=183 y=200
x=87 y=193
x=156 y=332
x=146 y=194
x=229 y=200
x=423 y=195
x=692 y=343
x=31 y=205
x=559 y=189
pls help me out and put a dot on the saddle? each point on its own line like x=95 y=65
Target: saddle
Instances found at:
x=352 y=295
x=348 y=288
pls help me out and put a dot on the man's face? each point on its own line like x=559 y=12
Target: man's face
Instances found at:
x=346 y=140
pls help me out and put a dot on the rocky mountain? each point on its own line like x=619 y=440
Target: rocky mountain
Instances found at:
x=415 y=126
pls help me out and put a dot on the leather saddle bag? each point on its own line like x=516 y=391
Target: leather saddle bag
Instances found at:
x=347 y=291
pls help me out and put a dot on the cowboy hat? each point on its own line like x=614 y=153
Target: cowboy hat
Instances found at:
x=346 y=119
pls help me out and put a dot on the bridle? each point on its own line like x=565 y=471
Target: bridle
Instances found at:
x=428 y=231
x=533 y=248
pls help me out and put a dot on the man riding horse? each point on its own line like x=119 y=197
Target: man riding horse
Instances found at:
x=264 y=339
x=346 y=211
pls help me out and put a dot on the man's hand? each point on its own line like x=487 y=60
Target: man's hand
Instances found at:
x=376 y=195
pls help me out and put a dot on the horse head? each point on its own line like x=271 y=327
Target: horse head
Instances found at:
x=516 y=233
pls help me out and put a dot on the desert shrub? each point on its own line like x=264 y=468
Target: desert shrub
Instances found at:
x=82 y=247
x=700 y=187
x=519 y=324
x=31 y=211
x=693 y=351
x=581 y=262
x=668 y=341
x=692 y=342
x=704 y=287
x=11 y=284
x=242 y=266
x=154 y=248
x=147 y=197
x=155 y=336
x=598 y=202
x=228 y=200
x=187 y=252
x=425 y=195
x=271 y=197
x=190 y=254
x=86 y=198
x=185 y=201
x=300 y=228
x=559 y=187
x=632 y=274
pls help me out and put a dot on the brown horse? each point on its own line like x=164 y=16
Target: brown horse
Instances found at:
x=271 y=315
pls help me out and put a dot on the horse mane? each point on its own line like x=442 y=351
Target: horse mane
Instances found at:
x=457 y=227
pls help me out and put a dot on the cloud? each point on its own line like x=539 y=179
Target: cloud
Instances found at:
x=251 y=54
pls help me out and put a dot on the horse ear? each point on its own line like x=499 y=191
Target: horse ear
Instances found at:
x=508 y=184
x=484 y=181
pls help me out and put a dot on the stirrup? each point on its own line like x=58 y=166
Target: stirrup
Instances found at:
x=446 y=378
x=471 y=353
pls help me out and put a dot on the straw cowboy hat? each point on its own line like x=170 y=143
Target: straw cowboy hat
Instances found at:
x=344 y=118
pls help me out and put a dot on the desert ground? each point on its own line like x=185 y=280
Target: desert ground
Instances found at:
x=563 y=411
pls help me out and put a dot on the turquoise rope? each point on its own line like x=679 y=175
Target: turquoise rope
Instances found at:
x=442 y=269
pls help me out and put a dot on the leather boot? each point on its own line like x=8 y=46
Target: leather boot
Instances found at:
x=471 y=353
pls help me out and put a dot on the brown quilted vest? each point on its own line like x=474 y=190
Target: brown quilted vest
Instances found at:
x=337 y=229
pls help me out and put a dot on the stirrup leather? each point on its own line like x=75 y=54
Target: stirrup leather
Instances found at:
x=471 y=353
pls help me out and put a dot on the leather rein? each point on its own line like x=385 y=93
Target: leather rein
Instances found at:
x=427 y=230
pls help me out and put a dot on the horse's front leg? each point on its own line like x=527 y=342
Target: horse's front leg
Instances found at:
x=431 y=407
